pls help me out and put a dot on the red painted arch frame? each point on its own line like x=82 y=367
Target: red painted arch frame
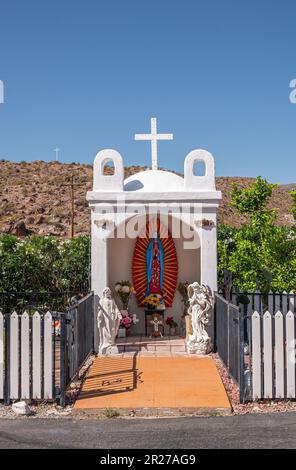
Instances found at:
x=170 y=262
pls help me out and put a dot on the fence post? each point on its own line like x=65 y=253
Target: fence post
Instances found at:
x=215 y=324
x=256 y=355
x=7 y=360
x=241 y=357
x=63 y=361
x=267 y=355
x=95 y=319
x=228 y=336
x=2 y=363
x=279 y=354
x=290 y=354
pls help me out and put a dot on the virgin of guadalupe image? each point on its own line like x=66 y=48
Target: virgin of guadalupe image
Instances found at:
x=155 y=266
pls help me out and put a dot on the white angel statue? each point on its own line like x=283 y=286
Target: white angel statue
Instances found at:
x=109 y=317
x=200 y=303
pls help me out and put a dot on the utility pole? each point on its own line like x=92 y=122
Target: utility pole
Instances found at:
x=72 y=206
x=72 y=186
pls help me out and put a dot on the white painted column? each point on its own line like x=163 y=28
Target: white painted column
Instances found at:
x=99 y=268
x=208 y=253
x=208 y=261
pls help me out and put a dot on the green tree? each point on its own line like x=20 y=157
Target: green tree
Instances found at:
x=261 y=255
x=42 y=264
x=73 y=264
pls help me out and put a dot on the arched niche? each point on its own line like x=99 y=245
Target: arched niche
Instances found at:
x=199 y=183
x=113 y=182
x=189 y=267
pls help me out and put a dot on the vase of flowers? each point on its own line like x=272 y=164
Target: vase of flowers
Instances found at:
x=154 y=302
x=172 y=325
x=124 y=290
x=126 y=322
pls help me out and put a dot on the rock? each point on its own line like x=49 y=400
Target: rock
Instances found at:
x=20 y=229
x=7 y=227
x=21 y=408
x=30 y=220
x=53 y=230
x=39 y=220
x=256 y=409
x=55 y=220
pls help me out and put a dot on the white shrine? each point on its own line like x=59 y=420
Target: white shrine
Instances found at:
x=162 y=201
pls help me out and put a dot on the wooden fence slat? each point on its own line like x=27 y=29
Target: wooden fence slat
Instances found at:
x=256 y=355
x=284 y=303
x=14 y=356
x=277 y=302
x=1 y=356
x=290 y=354
x=36 y=356
x=250 y=305
x=234 y=298
x=279 y=355
x=48 y=356
x=292 y=302
x=267 y=351
x=25 y=356
x=270 y=303
x=257 y=301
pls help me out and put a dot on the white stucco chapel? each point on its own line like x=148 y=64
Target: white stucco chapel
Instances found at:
x=179 y=212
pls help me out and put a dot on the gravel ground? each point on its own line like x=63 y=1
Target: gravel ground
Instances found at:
x=270 y=406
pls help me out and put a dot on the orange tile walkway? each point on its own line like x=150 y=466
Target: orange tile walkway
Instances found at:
x=153 y=382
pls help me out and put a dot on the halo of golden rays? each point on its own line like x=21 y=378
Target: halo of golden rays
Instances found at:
x=170 y=262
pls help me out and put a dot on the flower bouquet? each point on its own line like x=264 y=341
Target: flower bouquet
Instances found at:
x=126 y=322
x=124 y=290
x=154 y=301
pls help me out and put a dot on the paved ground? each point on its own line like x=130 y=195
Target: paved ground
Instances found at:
x=249 y=431
x=162 y=382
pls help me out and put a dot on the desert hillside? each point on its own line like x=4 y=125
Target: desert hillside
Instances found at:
x=35 y=198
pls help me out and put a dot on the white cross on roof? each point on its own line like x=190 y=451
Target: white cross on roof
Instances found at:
x=154 y=137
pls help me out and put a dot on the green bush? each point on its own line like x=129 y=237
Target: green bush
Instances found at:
x=42 y=264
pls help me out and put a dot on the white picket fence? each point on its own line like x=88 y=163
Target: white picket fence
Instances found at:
x=26 y=356
x=276 y=301
x=272 y=348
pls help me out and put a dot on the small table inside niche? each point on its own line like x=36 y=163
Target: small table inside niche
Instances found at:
x=148 y=318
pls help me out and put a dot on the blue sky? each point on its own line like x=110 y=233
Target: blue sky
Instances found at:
x=86 y=75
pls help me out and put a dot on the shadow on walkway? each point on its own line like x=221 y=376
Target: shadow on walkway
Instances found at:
x=110 y=376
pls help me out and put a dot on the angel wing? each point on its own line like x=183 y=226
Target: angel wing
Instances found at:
x=208 y=294
x=190 y=291
x=206 y=290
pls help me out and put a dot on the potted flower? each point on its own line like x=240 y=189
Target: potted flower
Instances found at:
x=126 y=322
x=172 y=325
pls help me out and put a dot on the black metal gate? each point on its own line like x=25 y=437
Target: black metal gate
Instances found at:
x=229 y=339
x=77 y=340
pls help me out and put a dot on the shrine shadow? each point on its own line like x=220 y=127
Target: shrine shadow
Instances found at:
x=111 y=375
